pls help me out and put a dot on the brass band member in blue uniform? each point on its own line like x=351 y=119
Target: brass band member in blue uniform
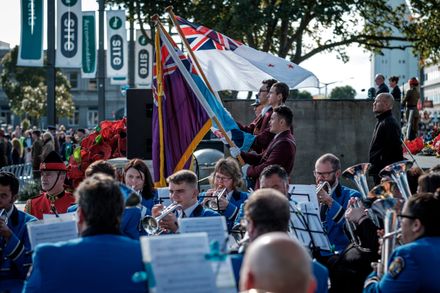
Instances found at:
x=15 y=254
x=413 y=267
x=226 y=175
x=102 y=260
x=333 y=203
x=184 y=191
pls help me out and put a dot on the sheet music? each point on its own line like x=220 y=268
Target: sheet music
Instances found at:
x=305 y=225
x=65 y=216
x=178 y=263
x=163 y=194
x=52 y=230
x=225 y=276
x=304 y=193
x=215 y=227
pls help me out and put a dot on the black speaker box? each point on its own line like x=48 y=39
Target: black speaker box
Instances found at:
x=139 y=123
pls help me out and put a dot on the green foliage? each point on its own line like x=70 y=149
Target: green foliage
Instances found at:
x=27 y=90
x=300 y=95
x=343 y=93
x=297 y=29
x=423 y=25
x=25 y=124
x=30 y=190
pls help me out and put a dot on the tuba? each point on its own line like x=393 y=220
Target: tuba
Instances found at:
x=358 y=174
x=151 y=224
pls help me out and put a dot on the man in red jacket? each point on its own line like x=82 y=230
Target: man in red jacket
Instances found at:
x=281 y=150
x=53 y=199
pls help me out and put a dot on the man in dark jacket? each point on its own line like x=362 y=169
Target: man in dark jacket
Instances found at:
x=386 y=146
x=380 y=83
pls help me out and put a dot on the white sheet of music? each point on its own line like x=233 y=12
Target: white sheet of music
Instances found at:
x=214 y=226
x=163 y=193
x=178 y=263
x=304 y=193
x=51 y=230
x=65 y=216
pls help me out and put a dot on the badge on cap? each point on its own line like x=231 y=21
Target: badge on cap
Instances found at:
x=396 y=267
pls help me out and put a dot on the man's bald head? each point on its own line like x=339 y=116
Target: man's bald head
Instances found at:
x=276 y=263
x=383 y=102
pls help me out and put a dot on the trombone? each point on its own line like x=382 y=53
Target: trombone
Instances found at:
x=151 y=224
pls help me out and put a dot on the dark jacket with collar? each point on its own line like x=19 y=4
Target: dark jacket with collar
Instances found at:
x=385 y=146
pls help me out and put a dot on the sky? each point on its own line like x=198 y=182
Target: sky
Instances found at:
x=327 y=67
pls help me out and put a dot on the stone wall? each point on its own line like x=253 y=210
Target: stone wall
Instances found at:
x=341 y=127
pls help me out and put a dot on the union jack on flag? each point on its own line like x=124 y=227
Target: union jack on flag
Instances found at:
x=231 y=65
x=203 y=38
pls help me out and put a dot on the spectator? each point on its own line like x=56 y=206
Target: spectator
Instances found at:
x=17 y=152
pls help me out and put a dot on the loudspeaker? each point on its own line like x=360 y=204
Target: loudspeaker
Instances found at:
x=139 y=123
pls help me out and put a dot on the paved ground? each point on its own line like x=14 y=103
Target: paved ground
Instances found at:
x=425 y=162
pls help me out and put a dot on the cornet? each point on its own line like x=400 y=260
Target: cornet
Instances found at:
x=216 y=196
x=323 y=184
x=151 y=224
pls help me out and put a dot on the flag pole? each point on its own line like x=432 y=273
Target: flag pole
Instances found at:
x=159 y=91
x=169 y=9
x=156 y=19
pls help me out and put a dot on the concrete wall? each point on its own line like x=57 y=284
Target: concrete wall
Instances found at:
x=341 y=127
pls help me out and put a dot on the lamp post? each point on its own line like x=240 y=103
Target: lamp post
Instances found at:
x=326 y=84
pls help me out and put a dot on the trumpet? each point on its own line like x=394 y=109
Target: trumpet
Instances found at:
x=323 y=184
x=151 y=224
x=216 y=196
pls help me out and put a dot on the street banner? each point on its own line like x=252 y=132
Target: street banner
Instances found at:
x=69 y=33
x=117 y=55
x=30 y=52
x=88 y=68
x=143 y=60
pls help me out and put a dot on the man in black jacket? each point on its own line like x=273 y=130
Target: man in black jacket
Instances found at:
x=386 y=146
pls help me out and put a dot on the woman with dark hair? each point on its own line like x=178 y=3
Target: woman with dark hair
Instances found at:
x=138 y=177
x=429 y=182
x=413 y=266
x=224 y=195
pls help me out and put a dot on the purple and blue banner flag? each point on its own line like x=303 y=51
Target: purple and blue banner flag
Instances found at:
x=183 y=112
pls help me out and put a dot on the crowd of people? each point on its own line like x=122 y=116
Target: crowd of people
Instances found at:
x=110 y=219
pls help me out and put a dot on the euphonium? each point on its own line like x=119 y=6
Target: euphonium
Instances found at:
x=397 y=172
x=151 y=224
x=357 y=174
x=216 y=196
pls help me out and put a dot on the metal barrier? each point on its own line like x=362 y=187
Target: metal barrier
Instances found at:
x=22 y=171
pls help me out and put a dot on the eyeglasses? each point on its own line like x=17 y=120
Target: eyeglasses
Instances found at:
x=323 y=174
x=401 y=216
x=221 y=178
x=262 y=91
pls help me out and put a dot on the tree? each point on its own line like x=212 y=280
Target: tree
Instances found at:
x=26 y=89
x=423 y=25
x=343 y=93
x=297 y=29
x=300 y=95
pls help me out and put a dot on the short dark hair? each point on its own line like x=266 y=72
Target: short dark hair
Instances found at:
x=429 y=182
x=9 y=179
x=426 y=207
x=101 y=200
x=283 y=89
x=413 y=175
x=141 y=167
x=274 y=170
x=269 y=83
x=183 y=176
x=269 y=211
x=394 y=78
x=334 y=161
x=285 y=113
x=100 y=166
